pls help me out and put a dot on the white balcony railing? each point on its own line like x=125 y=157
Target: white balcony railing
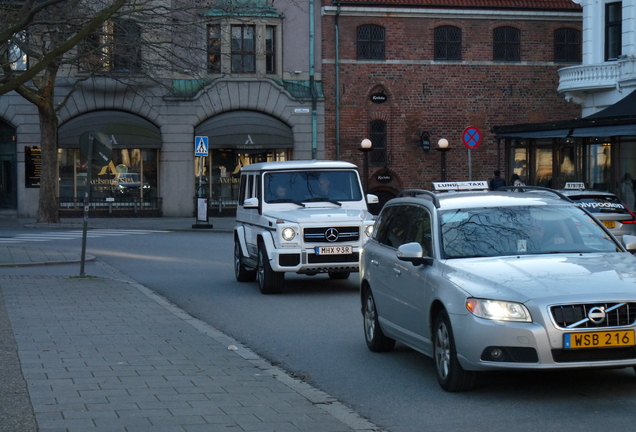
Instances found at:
x=597 y=77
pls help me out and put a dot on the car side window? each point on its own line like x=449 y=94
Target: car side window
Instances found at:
x=399 y=225
x=420 y=229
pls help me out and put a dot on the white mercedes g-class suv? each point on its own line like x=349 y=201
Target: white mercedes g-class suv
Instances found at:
x=305 y=217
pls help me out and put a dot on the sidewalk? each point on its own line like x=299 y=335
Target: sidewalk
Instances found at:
x=107 y=354
x=30 y=254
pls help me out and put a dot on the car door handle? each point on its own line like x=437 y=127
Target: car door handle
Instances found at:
x=397 y=271
x=374 y=262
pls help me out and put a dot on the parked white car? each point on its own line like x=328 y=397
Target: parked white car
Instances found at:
x=521 y=279
x=305 y=217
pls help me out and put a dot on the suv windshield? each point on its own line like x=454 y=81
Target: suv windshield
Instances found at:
x=500 y=231
x=309 y=186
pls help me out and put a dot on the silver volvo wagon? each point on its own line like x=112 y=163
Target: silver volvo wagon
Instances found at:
x=516 y=279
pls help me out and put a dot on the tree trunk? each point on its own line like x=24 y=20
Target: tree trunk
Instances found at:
x=48 y=210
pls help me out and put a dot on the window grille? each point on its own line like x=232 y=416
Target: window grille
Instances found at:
x=448 y=43
x=371 y=42
x=506 y=44
x=567 y=45
x=379 y=140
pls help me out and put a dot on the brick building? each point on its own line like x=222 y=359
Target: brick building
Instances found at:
x=408 y=73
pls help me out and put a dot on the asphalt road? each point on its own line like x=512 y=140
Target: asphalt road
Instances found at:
x=314 y=330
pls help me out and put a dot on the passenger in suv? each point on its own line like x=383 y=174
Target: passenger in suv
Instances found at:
x=515 y=279
x=305 y=217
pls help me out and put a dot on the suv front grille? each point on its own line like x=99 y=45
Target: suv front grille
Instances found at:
x=331 y=234
x=576 y=315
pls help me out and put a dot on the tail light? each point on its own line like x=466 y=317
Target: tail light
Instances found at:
x=633 y=220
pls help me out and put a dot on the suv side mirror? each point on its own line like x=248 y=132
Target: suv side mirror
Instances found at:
x=372 y=199
x=413 y=253
x=250 y=203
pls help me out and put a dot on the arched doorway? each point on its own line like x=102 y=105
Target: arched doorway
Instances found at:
x=8 y=168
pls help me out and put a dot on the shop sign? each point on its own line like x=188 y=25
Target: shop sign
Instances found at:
x=379 y=98
x=32 y=166
x=384 y=177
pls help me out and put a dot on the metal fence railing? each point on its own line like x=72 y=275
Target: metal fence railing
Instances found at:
x=120 y=206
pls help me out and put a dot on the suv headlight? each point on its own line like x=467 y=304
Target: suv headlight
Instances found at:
x=288 y=234
x=498 y=310
x=368 y=230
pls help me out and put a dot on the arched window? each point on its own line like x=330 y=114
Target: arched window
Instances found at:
x=448 y=43
x=370 y=42
x=506 y=44
x=567 y=45
x=378 y=138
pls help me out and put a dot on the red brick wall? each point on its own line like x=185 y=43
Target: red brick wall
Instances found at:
x=442 y=97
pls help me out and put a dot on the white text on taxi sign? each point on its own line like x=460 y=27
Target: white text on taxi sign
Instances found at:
x=461 y=185
x=574 y=185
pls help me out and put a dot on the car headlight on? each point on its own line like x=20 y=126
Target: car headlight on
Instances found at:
x=498 y=310
x=288 y=234
x=368 y=230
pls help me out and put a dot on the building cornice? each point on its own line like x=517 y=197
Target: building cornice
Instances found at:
x=438 y=13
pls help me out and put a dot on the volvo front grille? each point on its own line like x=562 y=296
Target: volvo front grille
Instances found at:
x=594 y=315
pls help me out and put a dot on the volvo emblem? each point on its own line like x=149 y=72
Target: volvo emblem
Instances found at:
x=331 y=234
x=596 y=315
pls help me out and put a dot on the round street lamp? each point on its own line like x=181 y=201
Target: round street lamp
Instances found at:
x=366 y=146
x=442 y=147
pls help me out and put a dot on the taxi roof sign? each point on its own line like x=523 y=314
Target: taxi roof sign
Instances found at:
x=460 y=186
x=574 y=185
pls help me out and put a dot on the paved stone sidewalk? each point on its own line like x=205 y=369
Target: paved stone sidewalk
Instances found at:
x=105 y=355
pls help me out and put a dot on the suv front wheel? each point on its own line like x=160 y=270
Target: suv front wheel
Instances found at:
x=269 y=281
x=242 y=273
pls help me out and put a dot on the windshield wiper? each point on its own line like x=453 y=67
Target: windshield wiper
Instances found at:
x=284 y=200
x=318 y=199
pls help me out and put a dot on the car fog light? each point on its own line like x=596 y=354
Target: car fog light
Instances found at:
x=496 y=353
x=288 y=234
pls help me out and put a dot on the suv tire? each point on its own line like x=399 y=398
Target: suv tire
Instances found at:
x=269 y=281
x=242 y=273
x=339 y=274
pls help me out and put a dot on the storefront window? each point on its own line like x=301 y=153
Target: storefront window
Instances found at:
x=543 y=166
x=567 y=165
x=599 y=164
x=627 y=160
x=132 y=173
x=519 y=160
x=217 y=175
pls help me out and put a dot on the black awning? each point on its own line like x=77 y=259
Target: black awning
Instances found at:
x=125 y=130
x=247 y=130
x=623 y=108
x=616 y=120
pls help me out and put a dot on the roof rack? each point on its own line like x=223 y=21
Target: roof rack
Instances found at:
x=417 y=192
x=534 y=189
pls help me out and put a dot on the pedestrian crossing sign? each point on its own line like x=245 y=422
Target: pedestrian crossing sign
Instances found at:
x=201 y=146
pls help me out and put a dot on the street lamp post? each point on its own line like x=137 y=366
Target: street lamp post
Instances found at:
x=365 y=147
x=442 y=147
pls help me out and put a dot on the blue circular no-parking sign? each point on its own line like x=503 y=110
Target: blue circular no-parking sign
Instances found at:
x=471 y=137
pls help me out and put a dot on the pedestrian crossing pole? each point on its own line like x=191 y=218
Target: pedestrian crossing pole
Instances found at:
x=87 y=194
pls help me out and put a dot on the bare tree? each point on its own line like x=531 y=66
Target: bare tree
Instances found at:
x=122 y=40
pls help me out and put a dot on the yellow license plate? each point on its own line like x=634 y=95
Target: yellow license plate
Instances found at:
x=609 y=224
x=599 y=339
